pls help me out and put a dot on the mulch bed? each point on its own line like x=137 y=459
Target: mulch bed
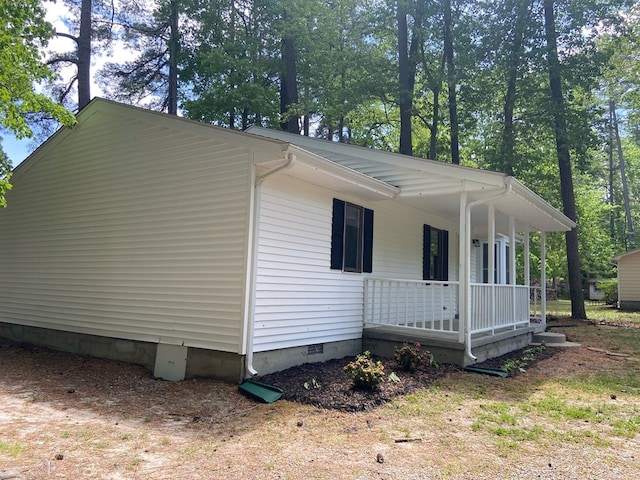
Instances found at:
x=326 y=385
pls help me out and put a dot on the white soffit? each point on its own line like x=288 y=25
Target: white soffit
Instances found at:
x=317 y=170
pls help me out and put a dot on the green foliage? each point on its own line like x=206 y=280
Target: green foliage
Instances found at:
x=22 y=38
x=520 y=364
x=610 y=289
x=411 y=357
x=312 y=384
x=365 y=372
x=11 y=449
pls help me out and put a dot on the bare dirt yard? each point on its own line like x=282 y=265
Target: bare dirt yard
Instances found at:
x=573 y=414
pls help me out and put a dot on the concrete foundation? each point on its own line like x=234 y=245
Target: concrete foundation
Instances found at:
x=629 y=305
x=164 y=361
x=383 y=341
x=277 y=360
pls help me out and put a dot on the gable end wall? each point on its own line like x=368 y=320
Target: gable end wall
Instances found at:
x=130 y=230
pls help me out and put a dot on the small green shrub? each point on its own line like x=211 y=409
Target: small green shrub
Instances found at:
x=410 y=357
x=364 y=372
x=610 y=289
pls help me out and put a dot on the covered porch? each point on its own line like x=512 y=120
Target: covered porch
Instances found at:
x=502 y=318
x=480 y=311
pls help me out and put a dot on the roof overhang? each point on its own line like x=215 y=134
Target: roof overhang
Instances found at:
x=317 y=170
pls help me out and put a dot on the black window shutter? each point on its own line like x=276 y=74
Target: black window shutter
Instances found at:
x=426 y=252
x=444 y=255
x=337 y=234
x=367 y=250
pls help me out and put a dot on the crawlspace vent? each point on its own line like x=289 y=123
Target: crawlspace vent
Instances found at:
x=315 y=349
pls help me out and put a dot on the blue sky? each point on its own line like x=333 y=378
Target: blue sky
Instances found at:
x=16 y=150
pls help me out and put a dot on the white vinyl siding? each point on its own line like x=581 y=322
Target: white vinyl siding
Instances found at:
x=299 y=299
x=629 y=278
x=130 y=230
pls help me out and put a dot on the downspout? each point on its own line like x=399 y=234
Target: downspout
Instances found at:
x=253 y=266
x=467 y=280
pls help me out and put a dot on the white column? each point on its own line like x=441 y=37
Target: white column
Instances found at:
x=527 y=255
x=464 y=253
x=491 y=255
x=543 y=278
x=512 y=268
x=491 y=264
x=512 y=250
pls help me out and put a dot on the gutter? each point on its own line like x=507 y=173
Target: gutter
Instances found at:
x=467 y=220
x=253 y=263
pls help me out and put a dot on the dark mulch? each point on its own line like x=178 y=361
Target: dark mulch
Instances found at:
x=327 y=385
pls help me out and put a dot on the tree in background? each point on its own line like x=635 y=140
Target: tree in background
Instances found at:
x=90 y=30
x=153 y=37
x=22 y=40
x=564 y=162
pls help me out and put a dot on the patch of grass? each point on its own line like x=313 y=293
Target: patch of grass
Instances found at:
x=627 y=428
x=595 y=312
x=37 y=397
x=605 y=384
x=11 y=449
x=560 y=408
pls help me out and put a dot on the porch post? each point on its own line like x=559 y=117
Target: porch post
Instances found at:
x=491 y=264
x=543 y=278
x=464 y=253
x=512 y=268
x=512 y=250
x=527 y=258
x=491 y=249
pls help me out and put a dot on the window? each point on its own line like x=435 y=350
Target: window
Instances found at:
x=351 y=237
x=435 y=254
x=485 y=263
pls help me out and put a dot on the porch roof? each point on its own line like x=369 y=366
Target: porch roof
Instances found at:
x=424 y=184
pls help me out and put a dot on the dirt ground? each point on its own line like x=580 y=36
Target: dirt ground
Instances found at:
x=71 y=417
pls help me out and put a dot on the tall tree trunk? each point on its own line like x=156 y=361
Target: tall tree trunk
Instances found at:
x=289 y=83
x=623 y=176
x=436 y=88
x=451 y=82
x=174 y=45
x=84 y=55
x=306 y=124
x=404 y=83
x=612 y=222
x=564 y=162
x=508 y=134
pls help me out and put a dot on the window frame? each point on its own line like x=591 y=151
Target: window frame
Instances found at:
x=340 y=251
x=435 y=254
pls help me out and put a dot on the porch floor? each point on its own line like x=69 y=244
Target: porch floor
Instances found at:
x=382 y=340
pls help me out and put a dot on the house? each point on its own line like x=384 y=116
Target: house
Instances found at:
x=196 y=250
x=628 y=279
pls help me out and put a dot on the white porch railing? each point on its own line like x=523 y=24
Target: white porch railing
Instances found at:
x=433 y=305
x=426 y=305
x=496 y=306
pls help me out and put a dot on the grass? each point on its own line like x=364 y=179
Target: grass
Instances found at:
x=598 y=312
x=592 y=408
x=10 y=448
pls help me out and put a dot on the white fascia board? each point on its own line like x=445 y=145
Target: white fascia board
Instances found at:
x=564 y=223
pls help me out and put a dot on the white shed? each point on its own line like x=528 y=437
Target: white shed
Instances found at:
x=197 y=250
x=629 y=279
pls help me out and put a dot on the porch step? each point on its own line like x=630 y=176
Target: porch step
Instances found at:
x=552 y=339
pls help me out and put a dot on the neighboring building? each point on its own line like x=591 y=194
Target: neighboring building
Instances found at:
x=628 y=280
x=196 y=250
